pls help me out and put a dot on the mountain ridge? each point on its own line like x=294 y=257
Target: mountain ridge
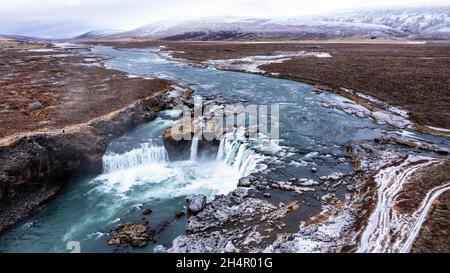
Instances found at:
x=408 y=23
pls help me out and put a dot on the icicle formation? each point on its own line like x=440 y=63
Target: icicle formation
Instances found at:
x=145 y=154
x=238 y=155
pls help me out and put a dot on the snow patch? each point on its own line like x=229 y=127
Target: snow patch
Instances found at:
x=388 y=230
x=252 y=63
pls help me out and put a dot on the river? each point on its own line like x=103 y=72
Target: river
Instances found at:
x=138 y=173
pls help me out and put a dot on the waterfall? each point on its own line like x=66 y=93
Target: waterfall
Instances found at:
x=194 y=148
x=246 y=161
x=237 y=154
x=221 y=149
x=146 y=153
x=239 y=157
x=230 y=150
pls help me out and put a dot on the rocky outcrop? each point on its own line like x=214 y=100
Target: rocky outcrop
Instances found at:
x=35 y=166
x=297 y=185
x=206 y=128
x=390 y=139
x=136 y=235
x=181 y=149
x=232 y=223
x=247 y=220
x=178 y=139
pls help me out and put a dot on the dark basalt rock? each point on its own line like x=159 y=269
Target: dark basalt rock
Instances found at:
x=196 y=203
x=136 y=235
x=3 y=185
x=36 y=167
x=244 y=182
x=147 y=211
x=240 y=192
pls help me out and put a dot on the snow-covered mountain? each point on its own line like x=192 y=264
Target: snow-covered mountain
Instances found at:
x=16 y=37
x=412 y=22
x=423 y=22
x=98 y=33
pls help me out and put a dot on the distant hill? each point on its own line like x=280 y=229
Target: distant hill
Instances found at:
x=16 y=37
x=97 y=34
x=411 y=23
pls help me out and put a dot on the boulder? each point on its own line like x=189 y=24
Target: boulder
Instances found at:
x=327 y=197
x=335 y=176
x=34 y=106
x=147 y=211
x=196 y=203
x=360 y=114
x=308 y=182
x=136 y=235
x=244 y=182
x=240 y=192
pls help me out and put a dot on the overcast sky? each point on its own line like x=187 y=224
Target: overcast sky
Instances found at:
x=65 y=18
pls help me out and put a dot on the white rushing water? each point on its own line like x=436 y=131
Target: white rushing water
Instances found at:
x=149 y=165
x=239 y=155
x=145 y=154
x=194 y=148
